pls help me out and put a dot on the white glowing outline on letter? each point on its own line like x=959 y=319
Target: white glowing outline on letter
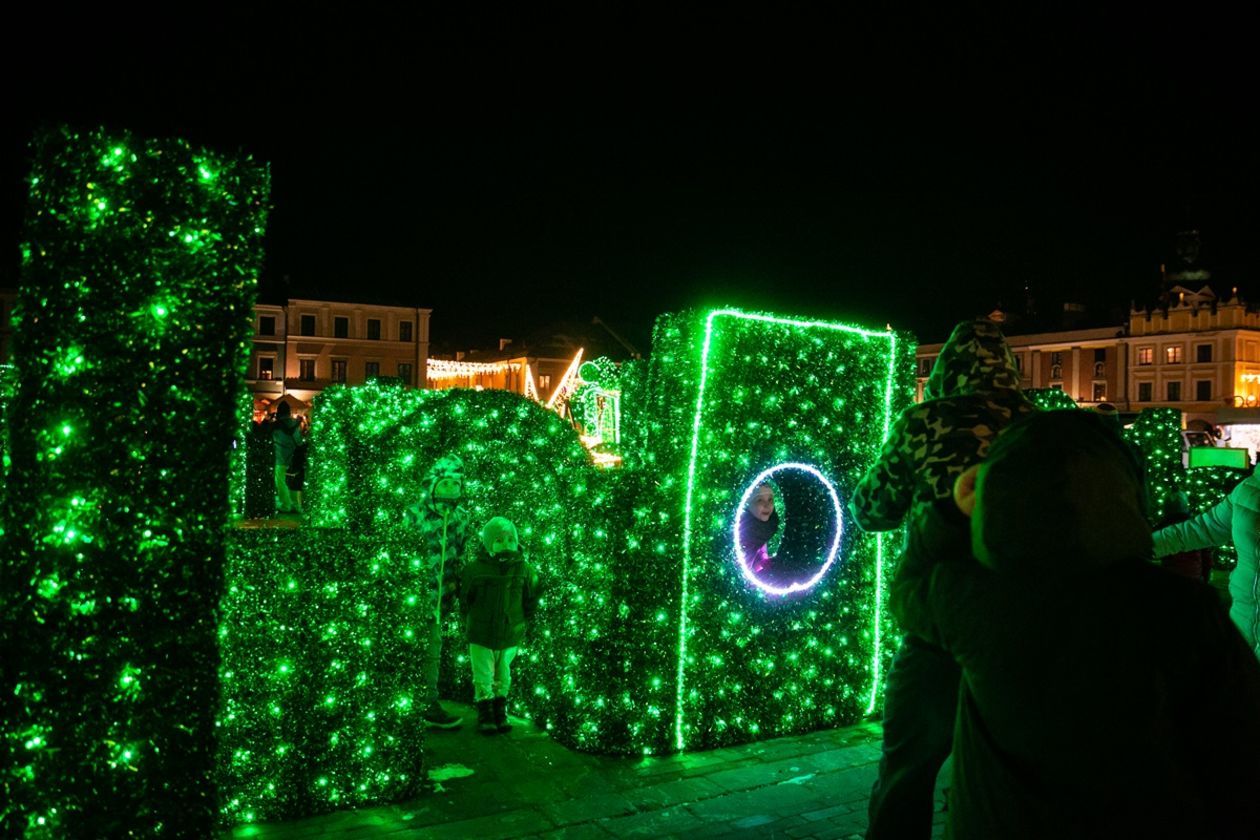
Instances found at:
x=796 y=586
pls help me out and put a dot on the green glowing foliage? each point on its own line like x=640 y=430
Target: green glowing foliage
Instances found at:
x=8 y=376
x=734 y=394
x=130 y=347
x=1050 y=399
x=321 y=637
x=1157 y=433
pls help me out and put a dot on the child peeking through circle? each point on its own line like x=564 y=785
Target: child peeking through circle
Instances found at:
x=757 y=526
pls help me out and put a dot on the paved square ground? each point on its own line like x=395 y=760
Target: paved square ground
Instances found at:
x=525 y=785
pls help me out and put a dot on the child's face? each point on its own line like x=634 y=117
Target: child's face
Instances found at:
x=447 y=489
x=761 y=505
x=501 y=541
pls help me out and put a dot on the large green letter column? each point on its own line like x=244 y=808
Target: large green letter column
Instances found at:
x=139 y=269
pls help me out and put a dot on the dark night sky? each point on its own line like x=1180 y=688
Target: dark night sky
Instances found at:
x=511 y=171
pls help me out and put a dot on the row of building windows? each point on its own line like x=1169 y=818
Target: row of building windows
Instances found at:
x=1145 y=356
x=1172 y=392
x=341 y=327
x=1146 y=391
x=1173 y=354
x=306 y=370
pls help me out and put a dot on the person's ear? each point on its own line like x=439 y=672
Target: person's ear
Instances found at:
x=965 y=490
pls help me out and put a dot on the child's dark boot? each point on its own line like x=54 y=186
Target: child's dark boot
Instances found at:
x=500 y=716
x=485 y=717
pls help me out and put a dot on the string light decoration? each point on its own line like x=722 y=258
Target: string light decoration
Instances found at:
x=321 y=636
x=132 y=336
x=595 y=407
x=732 y=394
x=531 y=387
x=560 y=396
x=444 y=369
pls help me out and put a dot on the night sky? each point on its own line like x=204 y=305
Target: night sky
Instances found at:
x=519 y=170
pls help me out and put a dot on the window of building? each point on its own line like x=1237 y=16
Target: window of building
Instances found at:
x=266 y=367
x=371 y=369
x=1056 y=358
x=1145 y=390
x=266 y=324
x=306 y=369
x=338 y=370
x=1203 y=390
x=925 y=368
x=404 y=372
x=1100 y=355
x=1056 y=386
x=1100 y=368
x=544 y=381
x=1172 y=354
x=1100 y=391
x=404 y=331
x=307 y=325
x=341 y=327
x=374 y=329
x=1174 y=391
x=1056 y=371
x=1203 y=353
x=1019 y=362
x=1146 y=355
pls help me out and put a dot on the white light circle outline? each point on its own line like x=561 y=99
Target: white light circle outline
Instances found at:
x=796 y=586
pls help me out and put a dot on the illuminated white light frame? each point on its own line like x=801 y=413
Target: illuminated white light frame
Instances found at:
x=795 y=586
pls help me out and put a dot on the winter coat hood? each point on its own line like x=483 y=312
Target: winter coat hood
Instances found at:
x=448 y=466
x=1060 y=492
x=975 y=360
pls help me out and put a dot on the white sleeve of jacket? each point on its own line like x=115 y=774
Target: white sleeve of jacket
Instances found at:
x=1207 y=530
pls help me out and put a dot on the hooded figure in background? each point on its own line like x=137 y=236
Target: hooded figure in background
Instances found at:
x=1085 y=668
x=971 y=395
x=443 y=525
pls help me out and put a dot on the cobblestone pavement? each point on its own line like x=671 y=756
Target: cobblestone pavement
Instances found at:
x=526 y=785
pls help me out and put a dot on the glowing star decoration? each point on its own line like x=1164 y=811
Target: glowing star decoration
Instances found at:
x=745 y=563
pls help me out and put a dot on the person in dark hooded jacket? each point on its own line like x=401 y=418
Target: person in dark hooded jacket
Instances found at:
x=443 y=526
x=971 y=395
x=1085 y=668
x=499 y=590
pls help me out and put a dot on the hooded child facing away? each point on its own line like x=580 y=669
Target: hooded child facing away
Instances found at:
x=1085 y=668
x=500 y=592
x=443 y=525
x=972 y=394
